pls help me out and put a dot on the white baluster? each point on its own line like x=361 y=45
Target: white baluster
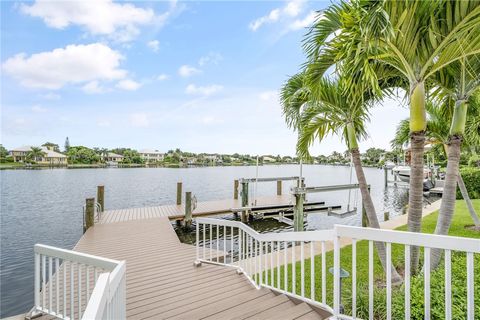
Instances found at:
x=218 y=241
x=448 y=283
x=261 y=263
x=294 y=284
x=302 y=270
x=79 y=272
x=312 y=271
x=336 y=275
x=197 y=240
x=389 y=280
x=203 y=241
x=354 y=278
x=407 y=282
x=278 y=264
x=470 y=287
x=324 y=275
x=231 y=244
x=44 y=276
x=50 y=284
x=285 y=265
x=272 y=268
x=370 y=280
x=57 y=284
x=72 y=314
x=426 y=267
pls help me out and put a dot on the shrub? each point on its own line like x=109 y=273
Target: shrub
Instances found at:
x=474 y=161
x=471 y=177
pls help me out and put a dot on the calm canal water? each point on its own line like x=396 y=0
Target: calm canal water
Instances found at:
x=45 y=206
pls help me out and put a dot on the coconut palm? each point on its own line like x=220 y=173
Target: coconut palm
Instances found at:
x=35 y=153
x=416 y=38
x=325 y=109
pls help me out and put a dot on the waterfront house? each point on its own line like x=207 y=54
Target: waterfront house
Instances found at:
x=269 y=159
x=150 y=156
x=49 y=156
x=113 y=158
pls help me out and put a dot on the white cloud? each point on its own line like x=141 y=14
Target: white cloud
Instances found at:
x=212 y=57
x=204 y=91
x=271 y=17
x=39 y=109
x=100 y=17
x=51 y=96
x=307 y=21
x=268 y=95
x=188 y=71
x=162 y=77
x=128 y=84
x=139 y=120
x=70 y=65
x=286 y=14
x=93 y=87
x=154 y=45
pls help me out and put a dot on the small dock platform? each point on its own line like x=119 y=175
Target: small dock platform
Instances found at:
x=177 y=212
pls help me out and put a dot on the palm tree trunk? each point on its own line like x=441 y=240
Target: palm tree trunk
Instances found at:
x=447 y=207
x=418 y=124
x=415 y=193
x=371 y=214
x=466 y=197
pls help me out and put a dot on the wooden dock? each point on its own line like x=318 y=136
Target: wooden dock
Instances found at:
x=163 y=283
x=177 y=212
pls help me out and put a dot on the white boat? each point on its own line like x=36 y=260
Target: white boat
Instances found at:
x=390 y=165
x=403 y=173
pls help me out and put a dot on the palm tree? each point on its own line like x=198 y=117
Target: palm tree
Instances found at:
x=35 y=153
x=438 y=135
x=457 y=90
x=416 y=38
x=325 y=109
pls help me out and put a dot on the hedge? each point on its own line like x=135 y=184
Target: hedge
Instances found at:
x=471 y=177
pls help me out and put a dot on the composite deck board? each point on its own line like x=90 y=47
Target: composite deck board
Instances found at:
x=163 y=283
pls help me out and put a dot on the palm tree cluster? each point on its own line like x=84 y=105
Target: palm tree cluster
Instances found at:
x=360 y=51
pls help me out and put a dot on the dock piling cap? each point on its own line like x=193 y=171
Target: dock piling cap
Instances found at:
x=343 y=273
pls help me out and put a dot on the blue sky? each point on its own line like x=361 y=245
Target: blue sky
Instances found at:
x=201 y=76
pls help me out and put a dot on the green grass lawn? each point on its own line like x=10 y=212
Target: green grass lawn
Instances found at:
x=461 y=219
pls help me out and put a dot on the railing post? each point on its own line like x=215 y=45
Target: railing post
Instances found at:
x=298 y=212
x=89 y=213
x=100 y=197
x=235 y=189
x=336 y=273
x=279 y=187
x=37 y=280
x=188 y=209
x=179 y=193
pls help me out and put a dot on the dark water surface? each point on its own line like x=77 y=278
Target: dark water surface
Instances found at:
x=45 y=206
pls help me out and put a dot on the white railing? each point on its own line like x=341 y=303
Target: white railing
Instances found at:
x=271 y=260
x=75 y=285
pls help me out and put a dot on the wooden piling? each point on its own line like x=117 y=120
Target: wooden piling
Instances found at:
x=298 y=212
x=244 y=200
x=100 y=197
x=187 y=221
x=385 y=176
x=235 y=189
x=386 y=216
x=279 y=187
x=89 y=213
x=179 y=193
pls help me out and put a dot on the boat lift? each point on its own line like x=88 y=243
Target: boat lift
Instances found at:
x=300 y=192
